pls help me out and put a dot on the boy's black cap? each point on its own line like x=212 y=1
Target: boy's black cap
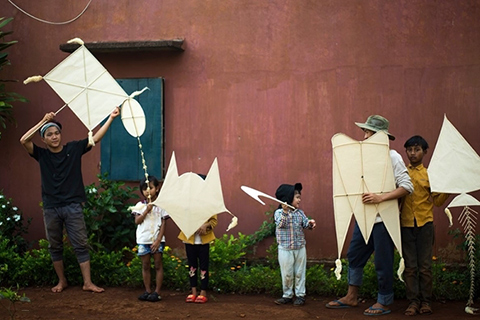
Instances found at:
x=286 y=192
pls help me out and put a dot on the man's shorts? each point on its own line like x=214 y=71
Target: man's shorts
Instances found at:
x=144 y=249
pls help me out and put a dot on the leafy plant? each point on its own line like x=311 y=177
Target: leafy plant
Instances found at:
x=6 y=98
x=109 y=223
x=12 y=224
x=175 y=270
x=227 y=250
x=12 y=297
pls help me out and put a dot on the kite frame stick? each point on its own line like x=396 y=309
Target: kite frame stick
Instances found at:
x=255 y=195
x=36 y=129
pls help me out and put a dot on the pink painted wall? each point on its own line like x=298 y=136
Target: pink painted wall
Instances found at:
x=262 y=86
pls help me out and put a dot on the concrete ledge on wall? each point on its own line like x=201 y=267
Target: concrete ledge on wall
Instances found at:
x=128 y=46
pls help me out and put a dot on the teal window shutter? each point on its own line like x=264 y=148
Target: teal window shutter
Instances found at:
x=120 y=153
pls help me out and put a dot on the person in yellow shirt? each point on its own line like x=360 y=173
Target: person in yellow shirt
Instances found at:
x=197 y=248
x=418 y=230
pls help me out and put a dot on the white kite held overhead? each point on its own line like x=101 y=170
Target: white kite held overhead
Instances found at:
x=455 y=168
x=363 y=167
x=84 y=84
x=189 y=200
x=255 y=194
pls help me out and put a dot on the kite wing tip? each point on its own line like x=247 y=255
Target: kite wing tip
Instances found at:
x=401 y=268
x=449 y=215
x=338 y=269
x=233 y=223
x=32 y=79
x=252 y=193
x=76 y=40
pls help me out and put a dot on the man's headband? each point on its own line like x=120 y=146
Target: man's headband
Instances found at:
x=48 y=125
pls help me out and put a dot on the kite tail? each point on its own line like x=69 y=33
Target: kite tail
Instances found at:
x=471 y=310
x=76 y=40
x=33 y=79
x=136 y=93
x=90 y=138
x=338 y=269
x=401 y=268
x=449 y=215
x=233 y=223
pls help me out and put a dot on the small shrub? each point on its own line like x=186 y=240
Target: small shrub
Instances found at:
x=12 y=297
x=109 y=223
x=175 y=271
x=13 y=226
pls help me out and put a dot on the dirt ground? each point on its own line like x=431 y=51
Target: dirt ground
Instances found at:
x=121 y=303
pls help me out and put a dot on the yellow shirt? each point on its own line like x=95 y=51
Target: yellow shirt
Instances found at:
x=209 y=236
x=419 y=204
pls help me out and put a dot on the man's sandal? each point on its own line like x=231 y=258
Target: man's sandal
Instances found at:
x=412 y=309
x=201 y=299
x=426 y=308
x=190 y=298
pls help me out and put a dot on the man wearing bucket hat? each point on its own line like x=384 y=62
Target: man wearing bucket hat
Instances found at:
x=380 y=242
x=376 y=123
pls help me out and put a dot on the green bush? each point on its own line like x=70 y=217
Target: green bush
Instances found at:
x=175 y=271
x=6 y=98
x=230 y=271
x=12 y=224
x=110 y=225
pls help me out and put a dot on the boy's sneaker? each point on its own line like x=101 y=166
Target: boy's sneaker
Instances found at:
x=299 y=301
x=154 y=297
x=283 y=300
x=144 y=296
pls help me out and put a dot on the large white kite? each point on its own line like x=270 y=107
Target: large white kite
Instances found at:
x=191 y=201
x=363 y=167
x=455 y=168
x=87 y=88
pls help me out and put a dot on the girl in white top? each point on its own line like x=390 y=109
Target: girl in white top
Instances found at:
x=150 y=221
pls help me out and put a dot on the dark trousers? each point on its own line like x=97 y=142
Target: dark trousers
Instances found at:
x=72 y=217
x=417 y=246
x=359 y=252
x=198 y=254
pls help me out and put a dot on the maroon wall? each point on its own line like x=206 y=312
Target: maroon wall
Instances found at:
x=262 y=86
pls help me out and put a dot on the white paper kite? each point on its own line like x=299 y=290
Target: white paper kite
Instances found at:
x=86 y=87
x=255 y=194
x=363 y=167
x=455 y=168
x=191 y=201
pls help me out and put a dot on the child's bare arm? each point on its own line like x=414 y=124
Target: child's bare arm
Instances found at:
x=139 y=218
x=156 y=244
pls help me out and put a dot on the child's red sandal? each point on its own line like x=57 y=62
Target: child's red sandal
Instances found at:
x=201 y=299
x=191 y=298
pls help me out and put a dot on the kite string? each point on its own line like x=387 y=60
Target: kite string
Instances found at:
x=50 y=22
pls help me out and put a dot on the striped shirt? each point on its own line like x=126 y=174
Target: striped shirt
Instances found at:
x=289 y=229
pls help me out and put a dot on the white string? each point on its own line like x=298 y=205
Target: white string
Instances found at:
x=50 y=22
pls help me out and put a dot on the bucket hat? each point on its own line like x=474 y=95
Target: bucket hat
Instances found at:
x=376 y=123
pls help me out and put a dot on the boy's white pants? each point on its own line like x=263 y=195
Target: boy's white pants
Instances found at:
x=293 y=264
